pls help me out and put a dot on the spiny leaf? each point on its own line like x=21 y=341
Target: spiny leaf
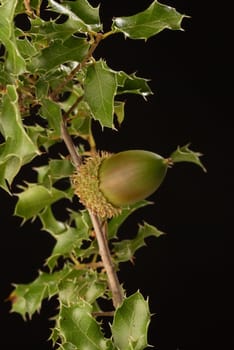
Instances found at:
x=81 y=283
x=126 y=249
x=65 y=244
x=80 y=14
x=71 y=238
x=100 y=88
x=26 y=48
x=115 y=223
x=184 y=154
x=35 y=198
x=27 y=298
x=56 y=169
x=59 y=52
x=18 y=148
x=149 y=22
x=50 y=223
x=79 y=328
x=131 y=323
x=88 y=14
x=132 y=84
x=14 y=61
x=51 y=111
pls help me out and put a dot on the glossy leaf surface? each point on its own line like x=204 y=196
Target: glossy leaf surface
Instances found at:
x=18 y=149
x=185 y=154
x=145 y=24
x=72 y=49
x=35 y=198
x=15 y=63
x=79 y=328
x=80 y=13
x=130 y=323
x=126 y=249
x=100 y=88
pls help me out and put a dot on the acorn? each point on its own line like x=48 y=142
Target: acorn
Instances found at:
x=105 y=183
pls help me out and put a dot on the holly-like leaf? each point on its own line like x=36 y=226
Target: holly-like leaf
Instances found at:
x=184 y=154
x=80 y=14
x=18 y=148
x=149 y=22
x=131 y=323
x=52 y=113
x=57 y=169
x=27 y=298
x=50 y=224
x=87 y=13
x=14 y=61
x=81 y=283
x=126 y=249
x=79 y=328
x=70 y=239
x=132 y=84
x=65 y=244
x=59 y=52
x=115 y=223
x=26 y=47
x=35 y=198
x=100 y=88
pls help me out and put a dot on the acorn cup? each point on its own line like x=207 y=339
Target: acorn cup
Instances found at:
x=106 y=183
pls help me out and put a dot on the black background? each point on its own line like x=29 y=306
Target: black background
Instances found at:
x=187 y=273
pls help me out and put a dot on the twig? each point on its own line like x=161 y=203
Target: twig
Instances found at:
x=104 y=251
x=71 y=109
x=76 y=158
x=103 y=313
x=79 y=66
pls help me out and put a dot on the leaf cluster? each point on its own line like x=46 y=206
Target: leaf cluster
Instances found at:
x=49 y=76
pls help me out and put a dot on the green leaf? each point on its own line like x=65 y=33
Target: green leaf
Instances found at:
x=126 y=249
x=81 y=14
x=59 y=52
x=83 y=283
x=27 y=298
x=14 y=61
x=153 y=20
x=132 y=84
x=57 y=169
x=60 y=168
x=35 y=198
x=131 y=323
x=26 y=48
x=119 y=111
x=115 y=223
x=88 y=14
x=82 y=222
x=100 y=88
x=51 y=111
x=34 y=4
x=184 y=154
x=50 y=224
x=67 y=346
x=18 y=148
x=79 y=328
x=67 y=241
x=80 y=126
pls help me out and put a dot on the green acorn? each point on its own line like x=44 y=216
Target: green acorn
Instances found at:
x=105 y=183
